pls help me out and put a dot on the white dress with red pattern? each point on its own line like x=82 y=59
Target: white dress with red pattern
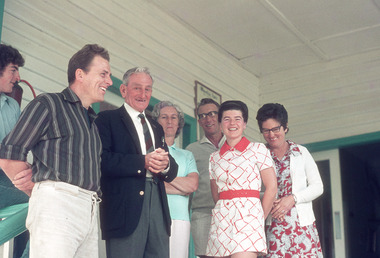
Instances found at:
x=287 y=238
x=238 y=223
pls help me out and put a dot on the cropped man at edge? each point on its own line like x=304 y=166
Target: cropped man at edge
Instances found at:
x=59 y=130
x=10 y=62
x=134 y=214
x=202 y=203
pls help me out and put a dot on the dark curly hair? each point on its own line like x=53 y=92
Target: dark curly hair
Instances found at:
x=272 y=110
x=9 y=55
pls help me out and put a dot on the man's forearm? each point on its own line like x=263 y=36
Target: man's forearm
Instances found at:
x=12 y=167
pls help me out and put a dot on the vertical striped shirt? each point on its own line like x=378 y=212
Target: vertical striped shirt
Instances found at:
x=64 y=140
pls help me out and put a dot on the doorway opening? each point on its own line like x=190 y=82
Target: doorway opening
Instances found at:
x=360 y=174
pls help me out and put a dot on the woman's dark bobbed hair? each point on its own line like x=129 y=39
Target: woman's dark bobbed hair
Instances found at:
x=233 y=105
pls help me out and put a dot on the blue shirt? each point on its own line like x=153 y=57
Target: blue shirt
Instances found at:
x=9 y=114
x=179 y=204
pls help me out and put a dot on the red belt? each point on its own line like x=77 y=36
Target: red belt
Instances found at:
x=227 y=195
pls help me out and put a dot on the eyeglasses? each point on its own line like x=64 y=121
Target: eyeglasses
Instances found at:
x=209 y=114
x=274 y=130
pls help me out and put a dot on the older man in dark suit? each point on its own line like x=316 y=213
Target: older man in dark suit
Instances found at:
x=135 y=218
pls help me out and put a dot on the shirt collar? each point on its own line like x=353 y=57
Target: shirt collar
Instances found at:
x=293 y=149
x=132 y=112
x=3 y=99
x=70 y=96
x=206 y=140
x=240 y=146
x=174 y=147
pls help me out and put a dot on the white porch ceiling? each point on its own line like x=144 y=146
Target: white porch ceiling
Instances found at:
x=269 y=36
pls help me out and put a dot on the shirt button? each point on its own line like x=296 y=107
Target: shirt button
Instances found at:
x=141 y=192
x=138 y=171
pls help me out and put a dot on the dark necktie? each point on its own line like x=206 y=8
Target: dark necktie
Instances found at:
x=147 y=136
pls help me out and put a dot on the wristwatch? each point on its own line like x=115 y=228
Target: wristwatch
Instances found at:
x=295 y=198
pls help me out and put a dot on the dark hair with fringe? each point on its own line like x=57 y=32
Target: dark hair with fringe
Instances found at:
x=233 y=105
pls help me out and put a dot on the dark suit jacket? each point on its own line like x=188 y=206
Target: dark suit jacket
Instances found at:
x=123 y=174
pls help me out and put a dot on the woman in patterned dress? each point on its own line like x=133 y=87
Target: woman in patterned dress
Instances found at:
x=236 y=171
x=292 y=232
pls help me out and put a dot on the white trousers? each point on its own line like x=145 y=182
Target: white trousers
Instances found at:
x=62 y=221
x=179 y=239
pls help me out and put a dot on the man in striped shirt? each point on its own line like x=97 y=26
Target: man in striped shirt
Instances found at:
x=59 y=129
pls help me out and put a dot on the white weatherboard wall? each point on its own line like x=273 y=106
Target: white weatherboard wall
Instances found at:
x=330 y=101
x=136 y=33
x=336 y=100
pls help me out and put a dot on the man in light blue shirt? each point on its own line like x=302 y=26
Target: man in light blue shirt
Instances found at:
x=9 y=114
x=10 y=61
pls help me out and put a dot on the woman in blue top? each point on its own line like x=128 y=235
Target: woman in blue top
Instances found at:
x=171 y=118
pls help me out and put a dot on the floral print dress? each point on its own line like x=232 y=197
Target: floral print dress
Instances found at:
x=287 y=238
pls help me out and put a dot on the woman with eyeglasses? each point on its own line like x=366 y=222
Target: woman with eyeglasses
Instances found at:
x=236 y=172
x=292 y=232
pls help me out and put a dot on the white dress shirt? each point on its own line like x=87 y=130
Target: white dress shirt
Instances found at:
x=139 y=128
